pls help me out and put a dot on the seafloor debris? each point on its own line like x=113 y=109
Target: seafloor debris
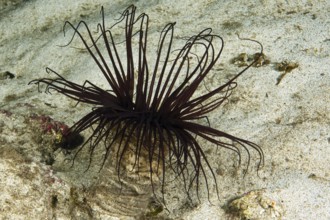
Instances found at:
x=6 y=75
x=284 y=67
x=55 y=131
x=254 y=205
x=244 y=59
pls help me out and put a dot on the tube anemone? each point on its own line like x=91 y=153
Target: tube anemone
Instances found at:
x=152 y=100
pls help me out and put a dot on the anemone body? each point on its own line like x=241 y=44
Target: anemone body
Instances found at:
x=155 y=105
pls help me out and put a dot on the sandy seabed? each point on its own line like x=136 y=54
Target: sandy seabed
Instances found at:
x=284 y=111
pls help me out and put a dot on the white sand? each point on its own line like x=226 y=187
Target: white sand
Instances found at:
x=289 y=120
